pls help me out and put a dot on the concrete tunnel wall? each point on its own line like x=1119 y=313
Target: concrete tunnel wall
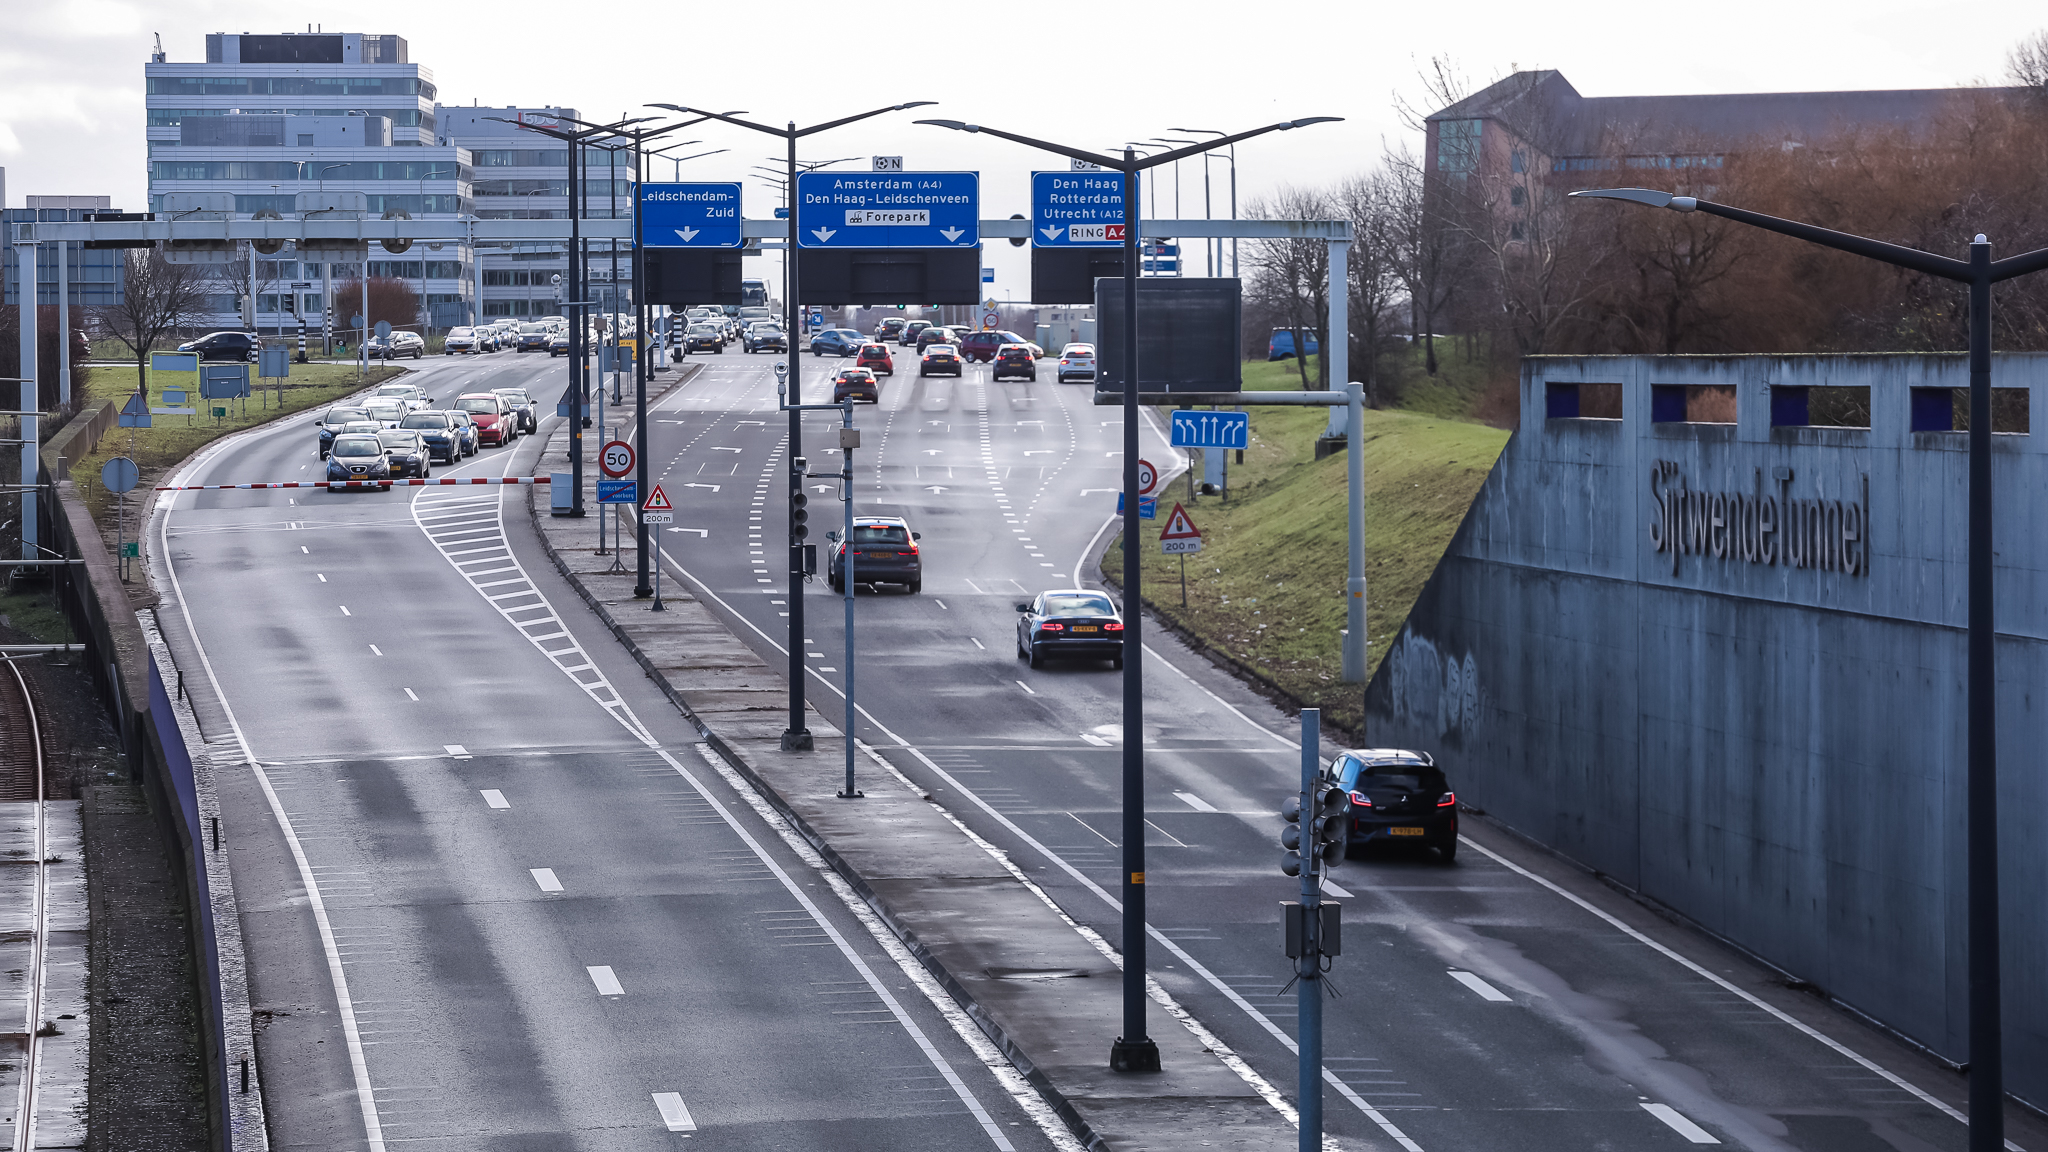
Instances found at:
x=1774 y=749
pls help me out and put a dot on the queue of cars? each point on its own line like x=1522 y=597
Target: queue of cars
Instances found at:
x=395 y=433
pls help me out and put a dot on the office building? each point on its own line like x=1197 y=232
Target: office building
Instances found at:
x=266 y=117
x=92 y=277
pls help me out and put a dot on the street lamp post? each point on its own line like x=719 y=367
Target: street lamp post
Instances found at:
x=1979 y=273
x=1233 y=195
x=797 y=737
x=426 y=312
x=1134 y=1050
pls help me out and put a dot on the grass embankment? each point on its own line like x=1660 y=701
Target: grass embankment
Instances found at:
x=171 y=439
x=1267 y=589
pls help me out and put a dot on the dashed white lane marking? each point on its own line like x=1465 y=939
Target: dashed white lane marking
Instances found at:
x=1679 y=1124
x=495 y=798
x=412 y=696
x=376 y=651
x=979 y=644
x=673 y=1112
x=457 y=751
x=545 y=877
x=1098 y=741
x=607 y=983
x=1188 y=798
x=322 y=576
x=344 y=610
x=1024 y=686
x=1486 y=991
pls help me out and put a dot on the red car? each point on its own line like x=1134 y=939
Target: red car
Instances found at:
x=496 y=422
x=876 y=357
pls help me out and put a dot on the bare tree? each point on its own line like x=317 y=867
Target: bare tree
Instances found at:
x=1373 y=269
x=157 y=297
x=2027 y=63
x=1293 y=276
x=1429 y=251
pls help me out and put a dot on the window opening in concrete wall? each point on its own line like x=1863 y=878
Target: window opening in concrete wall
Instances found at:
x=1948 y=410
x=1820 y=406
x=1580 y=401
x=1692 y=403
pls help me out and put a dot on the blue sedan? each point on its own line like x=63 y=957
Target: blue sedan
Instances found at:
x=838 y=341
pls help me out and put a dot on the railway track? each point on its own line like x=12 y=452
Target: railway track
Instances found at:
x=23 y=780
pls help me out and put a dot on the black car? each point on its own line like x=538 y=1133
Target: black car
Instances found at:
x=1069 y=622
x=331 y=425
x=226 y=346
x=884 y=552
x=1015 y=360
x=408 y=453
x=533 y=337
x=357 y=459
x=933 y=334
x=908 y=335
x=891 y=329
x=763 y=338
x=1398 y=796
x=704 y=338
x=444 y=439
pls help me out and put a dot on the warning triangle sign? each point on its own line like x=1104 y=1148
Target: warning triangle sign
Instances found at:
x=137 y=406
x=1179 y=527
x=657 y=501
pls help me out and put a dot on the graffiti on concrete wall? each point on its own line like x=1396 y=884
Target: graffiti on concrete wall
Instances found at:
x=1435 y=691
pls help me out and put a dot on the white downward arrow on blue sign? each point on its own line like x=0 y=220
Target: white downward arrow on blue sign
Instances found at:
x=688 y=234
x=824 y=234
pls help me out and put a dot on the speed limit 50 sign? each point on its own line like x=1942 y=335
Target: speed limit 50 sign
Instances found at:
x=616 y=459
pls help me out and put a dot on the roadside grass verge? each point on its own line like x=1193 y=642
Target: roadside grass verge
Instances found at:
x=1267 y=590
x=171 y=439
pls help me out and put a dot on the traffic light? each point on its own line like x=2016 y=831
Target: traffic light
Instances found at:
x=798 y=518
x=1332 y=824
x=1328 y=828
x=291 y=303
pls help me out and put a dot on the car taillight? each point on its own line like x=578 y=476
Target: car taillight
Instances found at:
x=1447 y=800
x=1052 y=627
x=912 y=552
x=1113 y=626
x=1359 y=798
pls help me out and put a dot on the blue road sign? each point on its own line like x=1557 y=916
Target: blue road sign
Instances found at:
x=135 y=414
x=888 y=209
x=1077 y=209
x=1148 y=506
x=174 y=361
x=618 y=491
x=223 y=381
x=1192 y=429
x=690 y=216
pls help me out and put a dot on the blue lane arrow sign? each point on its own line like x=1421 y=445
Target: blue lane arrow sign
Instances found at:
x=888 y=209
x=690 y=216
x=1077 y=209
x=1192 y=429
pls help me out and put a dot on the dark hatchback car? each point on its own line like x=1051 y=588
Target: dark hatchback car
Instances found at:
x=884 y=552
x=856 y=384
x=928 y=336
x=1015 y=360
x=1398 y=796
x=331 y=425
x=1070 y=622
x=225 y=346
x=407 y=452
x=909 y=334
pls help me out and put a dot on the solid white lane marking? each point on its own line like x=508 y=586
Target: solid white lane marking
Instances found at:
x=1190 y=799
x=1486 y=991
x=457 y=751
x=412 y=696
x=345 y=611
x=673 y=1113
x=545 y=877
x=607 y=984
x=1024 y=686
x=1679 y=1124
x=1098 y=741
x=495 y=798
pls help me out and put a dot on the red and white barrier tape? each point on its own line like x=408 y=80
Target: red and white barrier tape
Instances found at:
x=412 y=483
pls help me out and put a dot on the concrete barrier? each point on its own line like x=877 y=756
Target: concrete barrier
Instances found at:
x=1724 y=664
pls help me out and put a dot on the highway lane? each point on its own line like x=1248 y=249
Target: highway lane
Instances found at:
x=494 y=893
x=1503 y=999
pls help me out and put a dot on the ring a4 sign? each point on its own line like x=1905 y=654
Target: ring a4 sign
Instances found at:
x=1077 y=209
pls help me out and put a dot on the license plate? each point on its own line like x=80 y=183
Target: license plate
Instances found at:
x=1086 y=628
x=1405 y=831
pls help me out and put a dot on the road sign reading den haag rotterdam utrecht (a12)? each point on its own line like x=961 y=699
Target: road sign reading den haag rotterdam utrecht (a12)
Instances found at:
x=690 y=216
x=1077 y=209
x=888 y=209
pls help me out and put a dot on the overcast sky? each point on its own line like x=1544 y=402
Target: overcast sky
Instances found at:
x=1092 y=73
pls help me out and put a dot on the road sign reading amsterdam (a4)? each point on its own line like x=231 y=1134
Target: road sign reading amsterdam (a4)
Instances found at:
x=690 y=216
x=888 y=209
x=1077 y=209
x=1192 y=429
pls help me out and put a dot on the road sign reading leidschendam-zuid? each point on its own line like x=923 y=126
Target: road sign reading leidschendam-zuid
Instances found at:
x=888 y=209
x=690 y=216
x=1077 y=209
